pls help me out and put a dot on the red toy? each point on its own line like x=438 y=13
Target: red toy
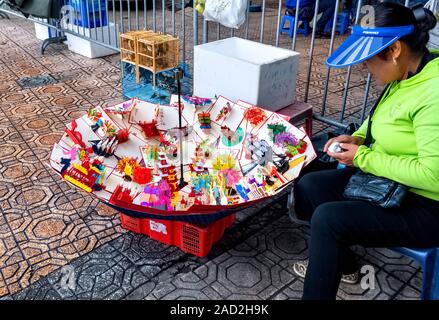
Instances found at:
x=150 y=129
x=301 y=146
x=87 y=176
x=142 y=175
x=121 y=194
x=75 y=135
x=122 y=135
x=255 y=115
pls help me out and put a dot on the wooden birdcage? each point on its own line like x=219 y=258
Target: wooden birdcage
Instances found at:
x=128 y=42
x=150 y=50
x=158 y=52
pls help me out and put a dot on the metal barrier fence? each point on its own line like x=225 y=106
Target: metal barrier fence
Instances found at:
x=333 y=106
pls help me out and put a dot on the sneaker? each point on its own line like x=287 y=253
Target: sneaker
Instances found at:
x=300 y=268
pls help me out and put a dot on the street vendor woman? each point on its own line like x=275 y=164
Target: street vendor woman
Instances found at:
x=405 y=149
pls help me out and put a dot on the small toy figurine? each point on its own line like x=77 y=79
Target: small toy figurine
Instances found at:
x=243 y=191
x=224 y=112
x=232 y=177
x=175 y=199
x=183 y=203
x=198 y=155
x=204 y=119
x=232 y=196
x=202 y=151
x=270 y=180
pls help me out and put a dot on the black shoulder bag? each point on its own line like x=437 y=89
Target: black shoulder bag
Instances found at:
x=379 y=191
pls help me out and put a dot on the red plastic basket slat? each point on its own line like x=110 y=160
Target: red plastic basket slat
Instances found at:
x=191 y=238
x=131 y=224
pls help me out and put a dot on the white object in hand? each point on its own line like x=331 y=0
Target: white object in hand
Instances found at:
x=335 y=147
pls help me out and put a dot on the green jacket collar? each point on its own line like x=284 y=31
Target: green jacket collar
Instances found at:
x=430 y=70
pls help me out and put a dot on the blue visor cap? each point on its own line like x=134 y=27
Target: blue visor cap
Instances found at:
x=364 y=43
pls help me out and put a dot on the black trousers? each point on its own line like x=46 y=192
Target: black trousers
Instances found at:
x=337 y=224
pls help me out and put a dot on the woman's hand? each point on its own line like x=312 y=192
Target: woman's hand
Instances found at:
x=347 y=156
x=343 y=139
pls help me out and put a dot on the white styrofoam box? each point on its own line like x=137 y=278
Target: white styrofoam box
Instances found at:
x=42 y=32
x=240 y=69
x=88 y=48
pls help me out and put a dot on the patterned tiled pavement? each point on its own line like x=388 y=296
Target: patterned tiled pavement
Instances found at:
x=46 y=224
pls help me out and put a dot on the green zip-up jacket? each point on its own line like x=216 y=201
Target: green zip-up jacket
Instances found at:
x=405 y=128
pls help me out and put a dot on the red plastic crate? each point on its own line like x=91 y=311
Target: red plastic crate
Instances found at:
x=160 y=230
x=189 y=237
x=131 y=224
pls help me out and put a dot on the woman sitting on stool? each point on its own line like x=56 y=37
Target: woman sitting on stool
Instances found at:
x=405 y=149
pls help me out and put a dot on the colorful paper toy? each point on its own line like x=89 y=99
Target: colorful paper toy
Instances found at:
x=255 y=116
x=105 y=147
x=157 y=196
x=87 y=175
x=122 y=135
x=142 y=175
x=204 y=120
x=134 y=156
x=276 y=128
x=224 y=112
x=149 y=129
x=197 y=101
x=126 y=166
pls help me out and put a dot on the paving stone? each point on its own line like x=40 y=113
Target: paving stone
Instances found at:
x=221 y=289
x=385 y=286
x=207 y=272
x=161 y=290
x=408 y=293
x=416 y=281
x=292 y=292
x=47 y=227
x=141 y=292
x=43 y=291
